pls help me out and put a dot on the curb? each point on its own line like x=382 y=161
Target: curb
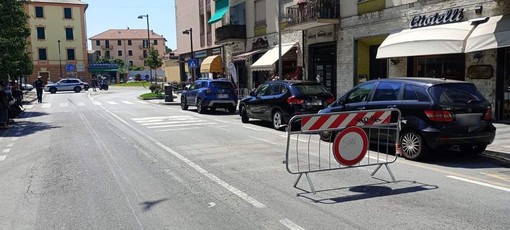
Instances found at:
x=497 y=155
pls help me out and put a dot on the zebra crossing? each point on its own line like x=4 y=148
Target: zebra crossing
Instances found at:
x=172 y=123
x=47 y=105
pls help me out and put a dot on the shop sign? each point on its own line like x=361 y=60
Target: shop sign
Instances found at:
x=238 y=47
x=201 y=53
x=450 y=16
x=216 y=51
x=260 y=43
x=320 y=34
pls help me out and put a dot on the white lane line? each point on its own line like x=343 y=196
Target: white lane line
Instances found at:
x=291 y=225
x=6 y=150
x=28 y=106
x=480 y=183
x=167 y=130
x=2 y=157
x=211 y=176
x=46 y=105
x=63 y=104
x=112 y=102
x=143 y=102
x=264 y=140
x=10 y=145
x=248 y=127
x=97 y=103
x=127 y=102
x=180 y=125
x=80 y=104
x=155 y=118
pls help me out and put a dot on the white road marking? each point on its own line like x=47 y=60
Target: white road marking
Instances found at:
x=10 y=145
x=80 y=104
x=480 y=183
x=248 y=127
x=2 y=157
x=127 y=102
x=211 y=176
x=264 y=140
x=291 y=225
x=97 y=103
x=143 y=102
x=47 y=105
x=6 y=150
x=28 y=106
x=154 y=118
x=173 y=122
x=63 y=104
x=179 y=125
x=112 y=102
x=161 y=120
x=167 y=130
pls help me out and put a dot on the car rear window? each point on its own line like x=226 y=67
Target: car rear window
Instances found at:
x=309 y=89
x=455 y=94
x=221 y=85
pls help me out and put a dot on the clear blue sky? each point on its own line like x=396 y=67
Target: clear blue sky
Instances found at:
x=120 y=14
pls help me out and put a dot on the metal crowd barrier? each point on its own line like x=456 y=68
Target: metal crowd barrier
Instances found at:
x=361 y=139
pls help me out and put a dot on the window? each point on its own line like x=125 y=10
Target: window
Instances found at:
x=42 y=54
x=70 y=54
x=360 y=93
x=145 y=54
x=119 y=42
x=41 y=35
x=130 y=42
x=69 y=34
x=107 y=54
x=107 y=44
x=145 y=42
x=119 y=53
x=98 y=42
x=445 y=66
x=130 y=63
x=99 y=54
x=387 y=91
x=68 y=13
x=39 y=12
x=130 y=53
x=155 y=42
x=415 y=93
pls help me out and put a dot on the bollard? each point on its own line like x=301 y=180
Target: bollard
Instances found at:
x=169 y=97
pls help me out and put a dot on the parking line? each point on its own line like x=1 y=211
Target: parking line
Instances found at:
x=2 y=157
x=479 y=183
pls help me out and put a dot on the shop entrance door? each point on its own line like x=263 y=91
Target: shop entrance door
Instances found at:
x=506 y=89
x=323 y=59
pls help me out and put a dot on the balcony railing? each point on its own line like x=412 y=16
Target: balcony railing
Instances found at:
x=312 y=11
x=228 y=32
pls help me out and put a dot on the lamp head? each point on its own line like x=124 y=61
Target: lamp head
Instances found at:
x=185 y=32
x=141 y=16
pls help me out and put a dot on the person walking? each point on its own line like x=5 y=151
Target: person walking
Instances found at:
x=94 y=83
x=39 y=85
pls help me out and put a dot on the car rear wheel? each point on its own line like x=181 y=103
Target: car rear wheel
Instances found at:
x=77 y=89
x=412 y=145
x=244 y=115
x=278 y=123
x=200 y=108
x=473 y=149
x=184 y=105
x=53 y=90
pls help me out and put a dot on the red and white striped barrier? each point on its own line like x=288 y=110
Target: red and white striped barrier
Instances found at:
x=333 y=121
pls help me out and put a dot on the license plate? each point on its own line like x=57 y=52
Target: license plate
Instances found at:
x=314 y=103
x=222 y=96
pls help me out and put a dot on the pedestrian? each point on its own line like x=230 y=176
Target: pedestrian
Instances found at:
x=4 y=106
x=94 y=83
x=39 y=84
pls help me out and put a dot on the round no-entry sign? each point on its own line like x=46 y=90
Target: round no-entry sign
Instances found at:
x=350 y=146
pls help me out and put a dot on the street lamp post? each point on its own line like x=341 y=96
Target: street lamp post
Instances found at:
x=60 y=59
x=148 y=40
x=280 y=65
x=190 y=32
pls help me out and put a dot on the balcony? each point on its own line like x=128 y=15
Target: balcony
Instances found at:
x=313 y=14
x=106 y=47
x=230 y=33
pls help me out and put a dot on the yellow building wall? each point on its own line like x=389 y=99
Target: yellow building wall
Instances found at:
x=363 y=59
x=367 y=6
x=172 y=72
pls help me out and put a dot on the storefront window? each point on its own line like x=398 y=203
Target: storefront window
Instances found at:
x=442 y=66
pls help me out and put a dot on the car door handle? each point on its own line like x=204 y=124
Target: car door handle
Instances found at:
x=361 y=108
x=391 y=106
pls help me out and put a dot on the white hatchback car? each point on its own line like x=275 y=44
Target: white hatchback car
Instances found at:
x=67 y=84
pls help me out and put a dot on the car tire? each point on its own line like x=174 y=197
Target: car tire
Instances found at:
x=53 y=90
x=232 y=109
x=277 y=119
x=200 y=106
x=184 y=105
x=77 y=89
x=412 y=145
x=472 y=149
x=244 y=115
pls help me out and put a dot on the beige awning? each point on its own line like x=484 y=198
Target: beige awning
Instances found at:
x=212 y=64
x=440 y=39
x=493 y=34
x=265 y=63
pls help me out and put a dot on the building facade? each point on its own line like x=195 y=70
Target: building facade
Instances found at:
x=129 y=45
x=58 y=40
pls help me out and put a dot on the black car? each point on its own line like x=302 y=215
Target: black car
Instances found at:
x=279 y=101
x=436 y=113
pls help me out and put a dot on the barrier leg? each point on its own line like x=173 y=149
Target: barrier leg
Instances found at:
x=309 y=182
x=389 y=171
x=299 y=177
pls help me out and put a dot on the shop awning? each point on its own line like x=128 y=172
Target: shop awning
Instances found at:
x=440 y=39
x=245 y=56
x=494 y=33
x=221 y=7
x=265 y=63
x=212 y=64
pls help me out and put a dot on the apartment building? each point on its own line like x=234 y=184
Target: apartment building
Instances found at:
x=129 y=45
x=58 y=40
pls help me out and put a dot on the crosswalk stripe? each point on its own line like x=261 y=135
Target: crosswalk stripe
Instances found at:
x=46 y=105
x=28 y=106
x=97 y=103
x=154 y=118
x=172 y=122
x=180 y=125
x=162 y=120
x=80 y=104
x=112 y=102
x=2 y=157
x=142 y=102
x=127 y=102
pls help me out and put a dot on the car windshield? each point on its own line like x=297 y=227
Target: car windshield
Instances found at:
x=221 y=85
x=310 y=89
x=454 y=94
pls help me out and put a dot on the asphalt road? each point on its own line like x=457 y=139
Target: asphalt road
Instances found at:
x=106 y=160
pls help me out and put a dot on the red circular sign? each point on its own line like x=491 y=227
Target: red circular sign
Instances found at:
x=350 y=146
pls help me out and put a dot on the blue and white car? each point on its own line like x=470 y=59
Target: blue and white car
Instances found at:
x=67 y=84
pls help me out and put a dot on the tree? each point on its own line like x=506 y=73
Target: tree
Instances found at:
x=153 y=61
x=168 y=50
x=14 y=57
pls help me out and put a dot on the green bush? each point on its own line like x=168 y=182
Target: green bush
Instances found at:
x=155 y=88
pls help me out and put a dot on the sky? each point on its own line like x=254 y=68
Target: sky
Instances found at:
x=102 y=15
